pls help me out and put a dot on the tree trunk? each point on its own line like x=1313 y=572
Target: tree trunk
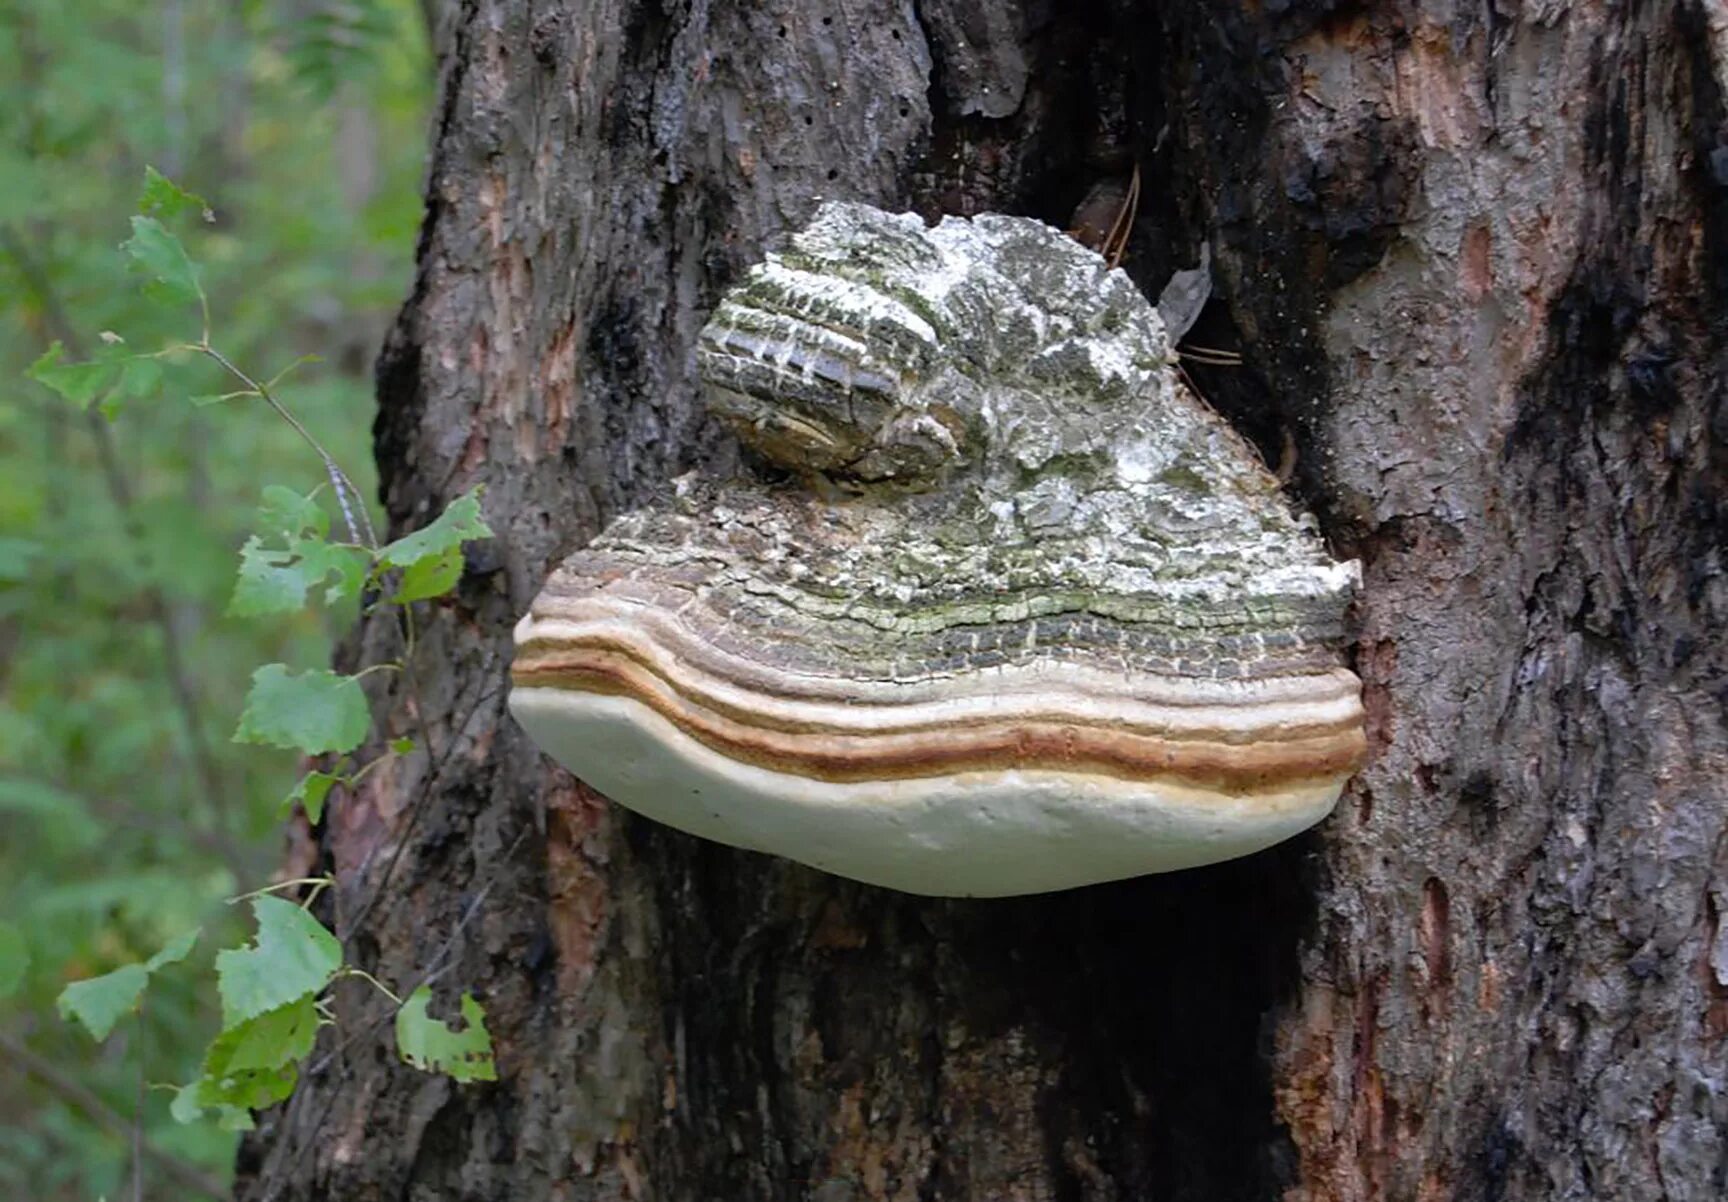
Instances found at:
x=1475 y=259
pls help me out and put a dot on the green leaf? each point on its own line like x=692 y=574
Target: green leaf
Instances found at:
x=174 y=951
x=244 y=1089
x=186 y=1108
x=271 y=582
x=79 y=383
x=255 y=1063
x=276 y=579
x=14 y=959
x=99 y=1002
x=163 y=259
x=431 y=558
x=162 y=197
x=233 y=1118
x=350 y=565
x=459 y=522
x=432 y=1045
x=313 y=788
x=140 y=376
x=432 y=576
x=314 y=711
x=286 y=513
x=113 y=374
x=293 y=957
x=274 y=1038
x=402 y=746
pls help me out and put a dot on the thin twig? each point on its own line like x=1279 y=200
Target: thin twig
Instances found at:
x=77 y=1094
x=1192 y=350
x=380 y=986
x=1211 y=356
x=339 y=481
x=1116 y=241
x=120 y=492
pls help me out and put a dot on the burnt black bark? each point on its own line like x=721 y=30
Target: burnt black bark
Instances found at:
x=1475 y=259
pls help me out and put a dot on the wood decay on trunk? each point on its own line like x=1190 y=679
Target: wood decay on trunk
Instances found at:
x=1475 y=258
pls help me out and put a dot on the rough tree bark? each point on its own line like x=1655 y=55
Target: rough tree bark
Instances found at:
x=1475 y=257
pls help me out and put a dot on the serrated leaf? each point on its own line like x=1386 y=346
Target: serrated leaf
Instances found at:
x=174 y=951
x=255 y=1063
x=292 y=957
x=162 y=197
x=79 y=383
x=286 y=513
x=140 y=376
x=460 y=522
x=314 y=711
x=349 y=566
x=432 y=576
x=313 y=788
x=271 y=582
x=99 y=1002
x=163 y=259
x=274 y=1038
x=14 y=959
x=277 y=579
x=234 y=1118
x=254 y=1089
x=434 y=1046
x=186 y=1108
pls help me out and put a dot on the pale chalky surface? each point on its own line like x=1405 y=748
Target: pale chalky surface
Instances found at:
x=1019 y=613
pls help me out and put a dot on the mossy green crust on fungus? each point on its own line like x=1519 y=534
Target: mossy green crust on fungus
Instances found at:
x=988 y=454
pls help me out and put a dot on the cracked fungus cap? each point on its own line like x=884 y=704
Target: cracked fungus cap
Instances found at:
x=1006 y=611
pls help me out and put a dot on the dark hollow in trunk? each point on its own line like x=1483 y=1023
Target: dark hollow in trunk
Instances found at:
x=1474 y=258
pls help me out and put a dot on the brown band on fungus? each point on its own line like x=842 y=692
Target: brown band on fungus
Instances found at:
x=1246 y=719
x=936 y=749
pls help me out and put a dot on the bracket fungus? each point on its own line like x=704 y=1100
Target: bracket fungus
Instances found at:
x=1007 y=611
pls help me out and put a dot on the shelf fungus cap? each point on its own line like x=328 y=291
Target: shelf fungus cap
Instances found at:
x=1008 y=610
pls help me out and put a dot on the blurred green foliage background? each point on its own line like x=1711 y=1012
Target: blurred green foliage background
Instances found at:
x=126 y=814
